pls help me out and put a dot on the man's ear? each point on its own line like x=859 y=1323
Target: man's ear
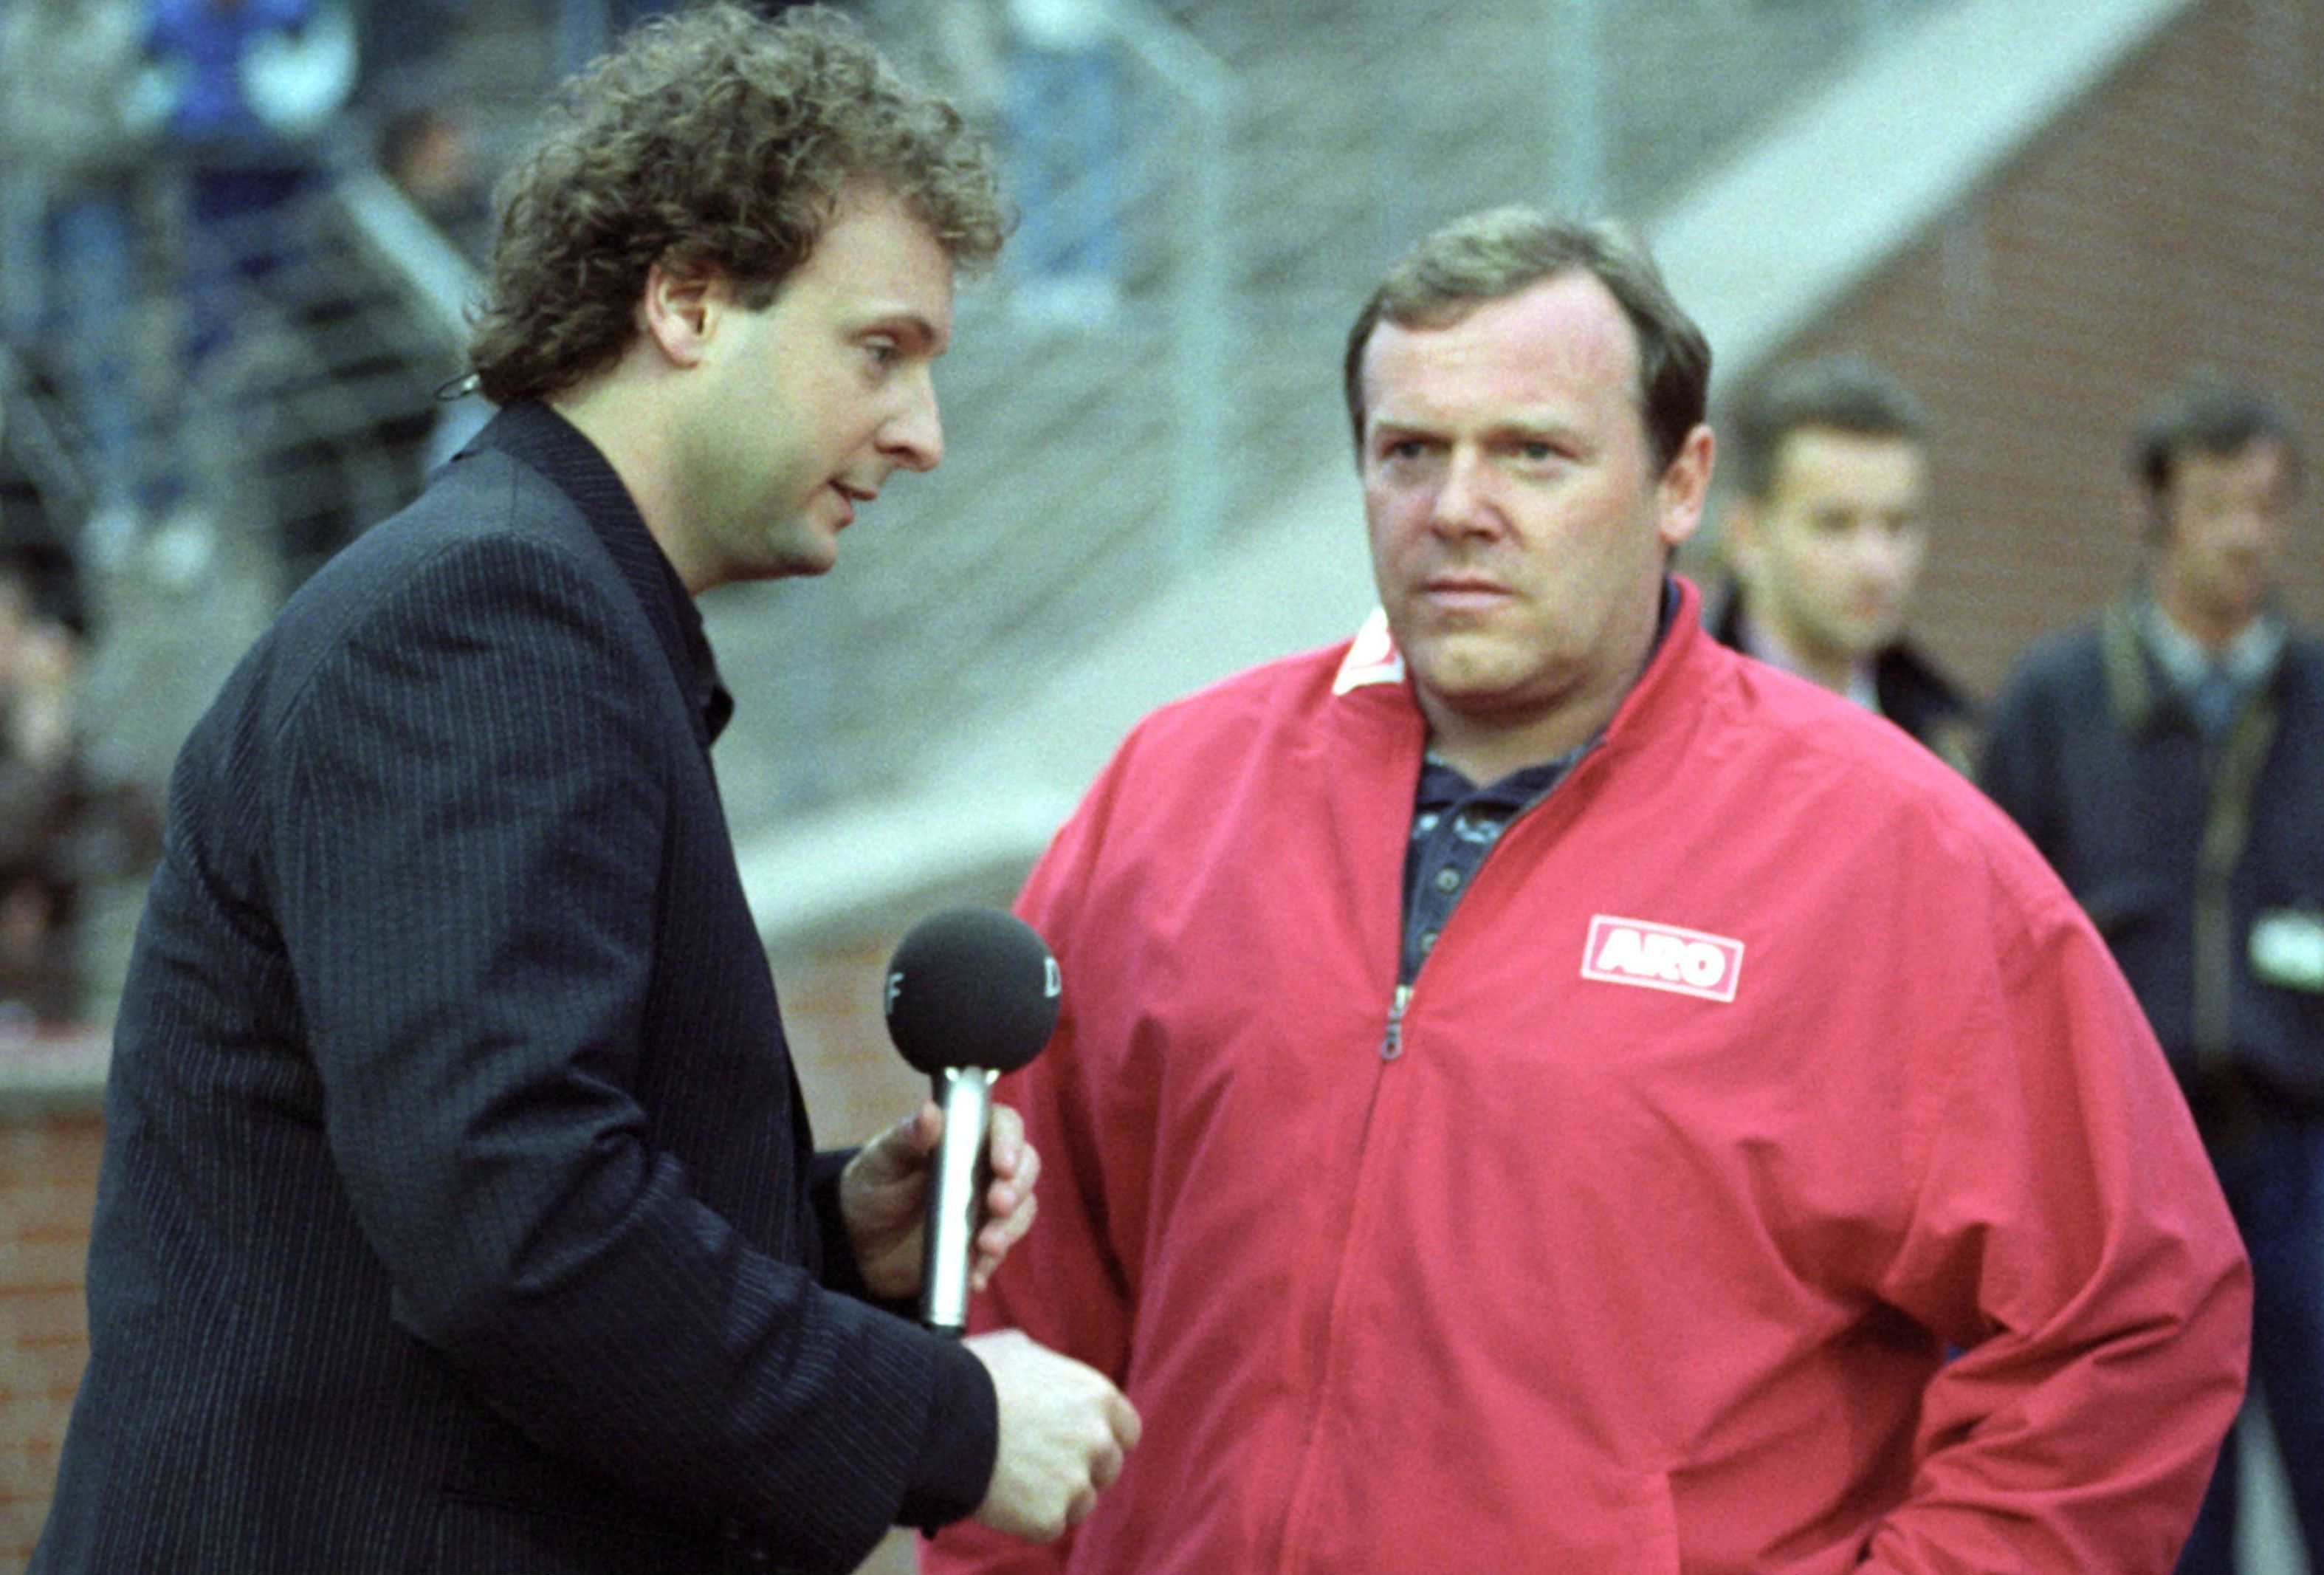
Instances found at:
x=679 y=310
x=1684 y=486
x=2148 y=514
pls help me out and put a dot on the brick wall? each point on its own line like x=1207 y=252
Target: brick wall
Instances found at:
x=2170 y=220
x=856 y=1082
x=48 y=1185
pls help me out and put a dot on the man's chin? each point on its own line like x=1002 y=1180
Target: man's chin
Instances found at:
x=806 y=553
x=1479 y=680
x=1861 y=641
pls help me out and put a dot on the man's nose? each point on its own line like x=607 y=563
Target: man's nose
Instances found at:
x=2254 y=526
x=914 y=437
x=1463 y=501
x=1888 y=555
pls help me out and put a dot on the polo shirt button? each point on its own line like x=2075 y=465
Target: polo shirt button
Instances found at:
x=1447 y=878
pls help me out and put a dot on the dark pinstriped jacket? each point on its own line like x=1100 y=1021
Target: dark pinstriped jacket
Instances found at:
x=457 y=1210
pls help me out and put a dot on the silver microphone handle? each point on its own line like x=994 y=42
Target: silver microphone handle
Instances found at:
x=956 y=1196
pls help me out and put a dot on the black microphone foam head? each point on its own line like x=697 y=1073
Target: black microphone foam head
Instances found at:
x=971 y=987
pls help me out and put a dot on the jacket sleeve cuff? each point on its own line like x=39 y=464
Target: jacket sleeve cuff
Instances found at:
x=955 y=1468
x=837 y=1269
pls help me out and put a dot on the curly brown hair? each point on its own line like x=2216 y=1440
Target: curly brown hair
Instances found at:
x=710 y=138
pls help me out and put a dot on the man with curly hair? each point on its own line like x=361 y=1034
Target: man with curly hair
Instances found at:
x=459 y=1210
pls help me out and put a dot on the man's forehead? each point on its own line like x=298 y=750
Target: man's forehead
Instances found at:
x=1818 y=443
x=878 y=263
x=1571 y=313
x=2253 y=452
x=1543 y=344
x=1541 y=347
x=2262 y=461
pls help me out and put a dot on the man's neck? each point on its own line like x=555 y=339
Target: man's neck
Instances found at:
x=621 y=412
x=2212 y=627
x=1836 y=671
x=1485 y=747
x=1485 y=754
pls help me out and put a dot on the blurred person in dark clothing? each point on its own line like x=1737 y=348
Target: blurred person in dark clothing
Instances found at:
x=62 y=828
x=75 y=136
x=428 y=150
x=1825 y=538
x=40 y=974
x=2169 y=759
x=250 y=82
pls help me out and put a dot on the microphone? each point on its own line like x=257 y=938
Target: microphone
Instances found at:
x=971 y=993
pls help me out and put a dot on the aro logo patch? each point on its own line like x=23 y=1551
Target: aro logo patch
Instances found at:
x=1662 y=957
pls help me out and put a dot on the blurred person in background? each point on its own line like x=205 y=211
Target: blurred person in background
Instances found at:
x=249 y=84
x=428 y=150
x=459 y=1209
x=75 y=126
x=422 y=117
x=39 y=976
x=2168 y=758
x=248 y=87
x=62 y=829
x=1538 y=1090
x=1825 y=536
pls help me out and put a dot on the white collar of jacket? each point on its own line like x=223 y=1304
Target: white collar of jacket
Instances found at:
x=1372 y=656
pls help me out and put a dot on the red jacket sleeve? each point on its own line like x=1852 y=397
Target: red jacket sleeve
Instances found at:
x=2071 y=1242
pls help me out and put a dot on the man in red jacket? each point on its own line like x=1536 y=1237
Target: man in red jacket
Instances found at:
x=1541 y=1091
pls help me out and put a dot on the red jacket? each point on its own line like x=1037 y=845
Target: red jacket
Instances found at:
x=1762 y=1061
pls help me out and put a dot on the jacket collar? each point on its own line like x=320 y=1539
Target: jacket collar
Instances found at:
x=2139 y=691
x=542 y=440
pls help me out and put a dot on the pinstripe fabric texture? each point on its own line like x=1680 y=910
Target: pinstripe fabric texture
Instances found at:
x=456 y=1211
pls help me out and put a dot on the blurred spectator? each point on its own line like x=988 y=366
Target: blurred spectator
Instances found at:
x=61 y=830
x=250 y=83
x=430 y=151
x=1062 y=143
x=2169 y=759
x=1825 y=538
x=72 y=134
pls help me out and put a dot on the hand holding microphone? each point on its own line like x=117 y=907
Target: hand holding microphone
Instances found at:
x=974 y=993
x=971 y=993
